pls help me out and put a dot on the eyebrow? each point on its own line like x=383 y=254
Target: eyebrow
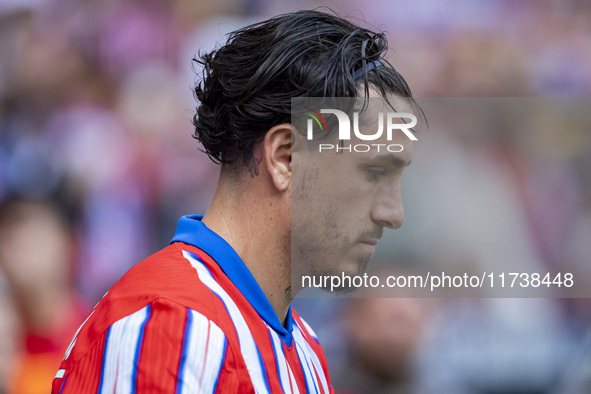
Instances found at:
x=392 y=159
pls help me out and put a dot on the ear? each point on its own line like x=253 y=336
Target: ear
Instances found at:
x=277 y=148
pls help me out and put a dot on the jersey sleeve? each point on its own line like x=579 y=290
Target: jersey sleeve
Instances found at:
x=162 y=348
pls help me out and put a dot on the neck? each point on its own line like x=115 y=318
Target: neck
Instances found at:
x=252 y=224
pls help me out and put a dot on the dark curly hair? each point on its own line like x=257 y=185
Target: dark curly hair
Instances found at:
x=248 y=83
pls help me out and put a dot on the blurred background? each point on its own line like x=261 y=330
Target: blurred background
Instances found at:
x=97 y=164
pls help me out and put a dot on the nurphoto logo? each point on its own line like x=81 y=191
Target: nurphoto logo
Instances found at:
x=344 y=129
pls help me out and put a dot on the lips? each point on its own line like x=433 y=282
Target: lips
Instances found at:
x=369 y=245
x=371 y=237
x=372 y=242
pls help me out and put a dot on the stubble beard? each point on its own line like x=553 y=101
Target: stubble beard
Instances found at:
x=313 y=255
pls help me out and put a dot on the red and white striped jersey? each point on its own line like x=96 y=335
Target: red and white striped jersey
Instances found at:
x=191 y=319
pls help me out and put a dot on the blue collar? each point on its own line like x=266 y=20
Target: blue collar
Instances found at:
x=192 y=231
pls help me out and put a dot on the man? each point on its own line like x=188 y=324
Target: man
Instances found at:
x=210 y=313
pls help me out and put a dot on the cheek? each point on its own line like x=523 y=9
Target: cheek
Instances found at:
x=337 y=227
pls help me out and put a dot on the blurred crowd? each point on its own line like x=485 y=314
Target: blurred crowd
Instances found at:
x=97 y=164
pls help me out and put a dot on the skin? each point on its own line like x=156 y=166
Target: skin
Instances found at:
x=340 y=205
x=260 y=206
x=343 y=203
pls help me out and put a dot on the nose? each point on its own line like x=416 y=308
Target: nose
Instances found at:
x=387 y=210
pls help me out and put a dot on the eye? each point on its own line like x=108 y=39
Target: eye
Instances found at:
x=376 y=172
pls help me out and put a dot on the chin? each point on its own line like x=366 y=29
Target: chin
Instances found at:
x=355 y=267
x=351 y=268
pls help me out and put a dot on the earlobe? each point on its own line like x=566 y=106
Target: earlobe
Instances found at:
x=277 y=147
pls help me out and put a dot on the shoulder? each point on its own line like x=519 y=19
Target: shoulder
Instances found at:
x=159 y=320
x=155 y=313
x=164 y=279
x=162 y=346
